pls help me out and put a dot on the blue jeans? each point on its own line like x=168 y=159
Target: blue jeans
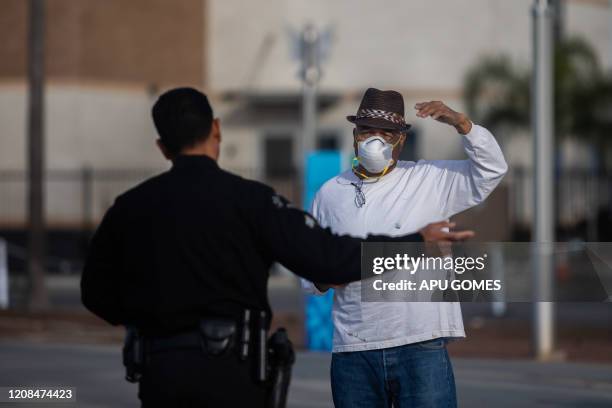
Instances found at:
x=414 y=375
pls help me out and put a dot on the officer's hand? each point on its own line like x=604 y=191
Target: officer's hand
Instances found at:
x=438 y=231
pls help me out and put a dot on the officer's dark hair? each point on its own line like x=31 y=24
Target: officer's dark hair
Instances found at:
x=182 y=117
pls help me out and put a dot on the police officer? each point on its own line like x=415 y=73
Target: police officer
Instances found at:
x=183 y=255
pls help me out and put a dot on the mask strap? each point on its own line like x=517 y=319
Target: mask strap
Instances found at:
x=364 y=176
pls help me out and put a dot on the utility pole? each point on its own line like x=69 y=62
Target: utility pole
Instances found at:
x=36 y=149
x=542 y=124
x=4 y=279
x=610 y=31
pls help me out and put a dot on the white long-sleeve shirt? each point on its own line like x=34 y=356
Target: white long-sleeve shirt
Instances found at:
x=402 y=202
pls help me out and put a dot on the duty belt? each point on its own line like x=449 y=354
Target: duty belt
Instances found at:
x=214 y=336
x=273 y=358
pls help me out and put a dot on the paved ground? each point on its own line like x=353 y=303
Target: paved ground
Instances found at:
x=285 y=296
x=96 y=373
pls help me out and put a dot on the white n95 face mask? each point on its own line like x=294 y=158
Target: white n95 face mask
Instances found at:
x=375 y=154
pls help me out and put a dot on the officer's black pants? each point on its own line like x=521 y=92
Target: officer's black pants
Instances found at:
x=191 y=378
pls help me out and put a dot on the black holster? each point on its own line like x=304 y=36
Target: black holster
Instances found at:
x=133 y=355
x=281 y=358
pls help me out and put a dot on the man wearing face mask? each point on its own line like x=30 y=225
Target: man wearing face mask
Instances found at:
x=395 y=352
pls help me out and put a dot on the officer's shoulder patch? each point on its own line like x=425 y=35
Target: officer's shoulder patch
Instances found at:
x=281 y=202
x=309 y=221
x=278 y=201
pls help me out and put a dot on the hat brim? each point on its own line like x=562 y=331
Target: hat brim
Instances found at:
x=378 y=123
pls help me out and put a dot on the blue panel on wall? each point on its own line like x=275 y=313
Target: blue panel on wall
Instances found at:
x=319 y=325
x=320 y=167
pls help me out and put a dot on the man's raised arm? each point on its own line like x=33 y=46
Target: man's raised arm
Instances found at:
x=465 y=183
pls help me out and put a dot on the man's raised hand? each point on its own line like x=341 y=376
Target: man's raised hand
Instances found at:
x=442 y=113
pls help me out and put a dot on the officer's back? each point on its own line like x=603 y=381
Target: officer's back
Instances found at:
x=182 y=244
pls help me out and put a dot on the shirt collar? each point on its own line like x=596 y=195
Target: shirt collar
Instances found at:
x=373 y=181
x=193 y=162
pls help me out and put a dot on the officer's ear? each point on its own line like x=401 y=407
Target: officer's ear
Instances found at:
x=163 y=149
x=215 y=130
x=215 y=137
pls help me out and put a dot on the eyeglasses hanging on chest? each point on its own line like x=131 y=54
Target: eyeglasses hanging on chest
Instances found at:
x=360 y=199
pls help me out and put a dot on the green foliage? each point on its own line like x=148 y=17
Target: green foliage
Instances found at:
x=497 y=93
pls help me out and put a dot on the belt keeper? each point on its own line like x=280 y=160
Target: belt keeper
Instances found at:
x=262 y=344
x=245 y=335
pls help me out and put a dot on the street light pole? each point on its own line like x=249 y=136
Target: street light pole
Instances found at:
x=542 y=124
x=610 y=31
x=310 y=74
x=36 y=239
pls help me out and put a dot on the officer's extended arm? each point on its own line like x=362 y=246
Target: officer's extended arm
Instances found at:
x=295 y=239
x=99 y=283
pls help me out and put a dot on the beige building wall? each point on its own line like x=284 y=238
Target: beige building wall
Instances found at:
x=422 y=49
x=151 y=42
x=415 y=46
x=107 y=60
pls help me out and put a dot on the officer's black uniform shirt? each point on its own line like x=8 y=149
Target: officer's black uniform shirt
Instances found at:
x=198 y=241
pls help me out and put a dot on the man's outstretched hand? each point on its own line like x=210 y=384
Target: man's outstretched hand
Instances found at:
x=442 y=113
x=436 y=232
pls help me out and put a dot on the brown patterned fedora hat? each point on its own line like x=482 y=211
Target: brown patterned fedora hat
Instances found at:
x=381 y=110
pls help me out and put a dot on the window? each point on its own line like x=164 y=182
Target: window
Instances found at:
x=327 y=140
x=278 y=151
x=409 y=153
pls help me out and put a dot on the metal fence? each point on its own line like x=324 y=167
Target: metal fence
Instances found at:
x=79 y=198
x=583 y=200
x=76 y=199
